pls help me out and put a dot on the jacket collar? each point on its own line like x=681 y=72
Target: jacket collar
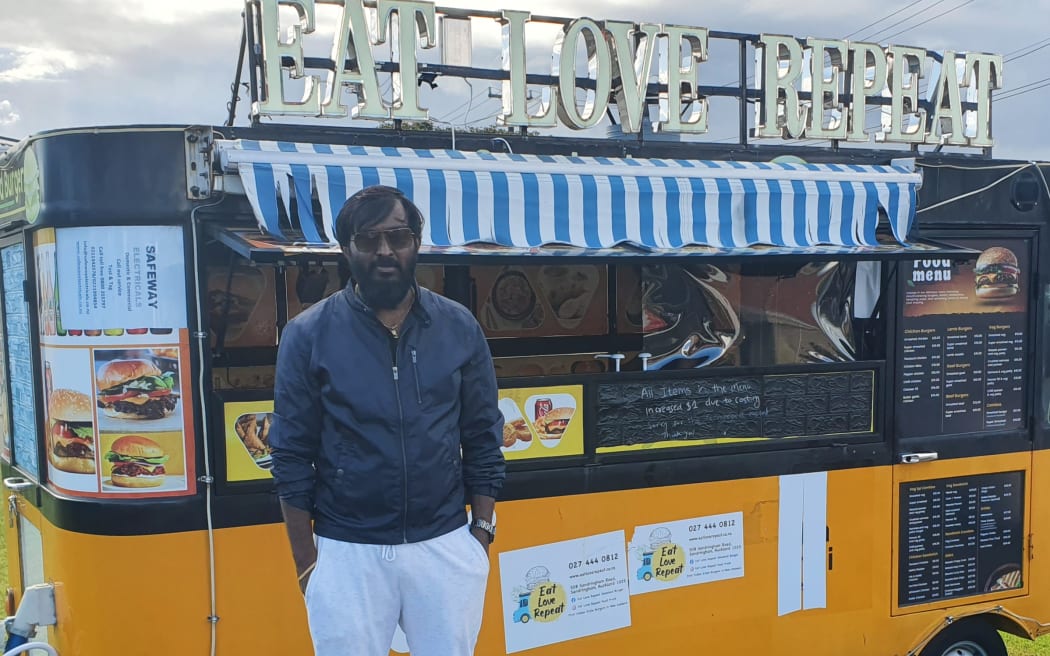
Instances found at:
x=421 y=306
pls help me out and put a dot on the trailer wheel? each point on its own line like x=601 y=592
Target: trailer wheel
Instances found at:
x=972 y=637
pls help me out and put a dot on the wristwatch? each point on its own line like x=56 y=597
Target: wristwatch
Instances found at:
x=486 y=526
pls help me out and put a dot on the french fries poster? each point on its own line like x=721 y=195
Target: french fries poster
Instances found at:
x=542 y=422
x=248 y=440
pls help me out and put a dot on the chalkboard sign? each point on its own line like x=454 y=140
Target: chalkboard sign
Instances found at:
x=687 y=412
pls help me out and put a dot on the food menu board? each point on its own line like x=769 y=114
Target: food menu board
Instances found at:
x=711 y=410
x=964 y=341
x=960 y=537
x=19 y=361
x=542 y=301
x=542 y=422
x=118 y=416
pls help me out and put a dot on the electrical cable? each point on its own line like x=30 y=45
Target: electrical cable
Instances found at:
x=933 y=18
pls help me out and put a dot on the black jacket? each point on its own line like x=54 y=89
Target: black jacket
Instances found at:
x=383 y=440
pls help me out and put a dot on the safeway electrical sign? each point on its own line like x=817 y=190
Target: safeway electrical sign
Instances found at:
x=621 y=59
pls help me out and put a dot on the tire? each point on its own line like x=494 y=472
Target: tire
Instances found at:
x=648 y=576
x=524 y=619
x=967 y=637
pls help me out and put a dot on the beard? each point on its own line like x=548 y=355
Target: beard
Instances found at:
x=383 y=293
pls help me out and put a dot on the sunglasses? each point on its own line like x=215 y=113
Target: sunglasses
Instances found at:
x=399 y=239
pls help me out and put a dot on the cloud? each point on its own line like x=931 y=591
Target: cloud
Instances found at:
x=22 y=64
x=8 y=114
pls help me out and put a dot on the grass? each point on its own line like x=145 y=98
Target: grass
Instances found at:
x=1020 y=647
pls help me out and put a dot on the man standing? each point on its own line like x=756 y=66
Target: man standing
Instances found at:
x=386 y=424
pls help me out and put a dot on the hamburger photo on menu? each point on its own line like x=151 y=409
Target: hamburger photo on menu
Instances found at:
x=135 y=389
x=137 y=462
x=72 y=444
x=552 y=425
x=997 y=273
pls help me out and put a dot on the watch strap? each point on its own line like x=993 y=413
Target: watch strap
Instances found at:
x=486 y=526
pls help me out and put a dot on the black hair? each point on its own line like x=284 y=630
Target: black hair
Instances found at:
x=371 y=205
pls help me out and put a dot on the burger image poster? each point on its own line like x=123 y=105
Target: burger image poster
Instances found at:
x=964 y=343
x=139 y=404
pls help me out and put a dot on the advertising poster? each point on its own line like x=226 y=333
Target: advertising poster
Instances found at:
x=686 y=552
x=542 y=422
x=242 y=305
x=961 y=537
x=247 y=427
x=549 y=365
x=127 y=278
x=803 y=316
x=19 y=361
x=118 y=407
x=542 y=301
x=629 y=300
x=964 y=341
x=690 y=315
x=564 y=591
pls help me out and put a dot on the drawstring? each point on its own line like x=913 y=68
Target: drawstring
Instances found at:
x=388 y=553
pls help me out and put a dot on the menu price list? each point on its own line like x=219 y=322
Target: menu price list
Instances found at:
x=962 y=378
x=960 y=537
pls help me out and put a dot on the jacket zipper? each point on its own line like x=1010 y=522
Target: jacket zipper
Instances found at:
x=404 y=453
x=415 y=370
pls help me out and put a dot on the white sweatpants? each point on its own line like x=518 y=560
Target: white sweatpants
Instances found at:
x=358 y=593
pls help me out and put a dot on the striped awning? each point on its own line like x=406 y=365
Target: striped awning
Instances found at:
x=529 y=201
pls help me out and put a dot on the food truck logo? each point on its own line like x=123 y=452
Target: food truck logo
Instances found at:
x=663 y=559
x=621 y=57
x=541 y=599
x=20 y=188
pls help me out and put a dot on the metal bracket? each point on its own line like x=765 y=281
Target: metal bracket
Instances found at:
x=198 y=162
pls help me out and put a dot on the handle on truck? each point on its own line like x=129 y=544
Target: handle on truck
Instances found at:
x=912 y=458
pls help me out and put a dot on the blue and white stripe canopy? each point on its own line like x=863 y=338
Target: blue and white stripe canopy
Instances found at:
x=529 y=201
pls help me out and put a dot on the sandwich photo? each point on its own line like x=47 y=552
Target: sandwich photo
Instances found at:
x=137 y=462
x=72 y=444
x=552 y=425
x=135 y=389
x=997 y=274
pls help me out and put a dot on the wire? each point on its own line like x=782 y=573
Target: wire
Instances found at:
x=943 y=13
x=977 y=191
x=207 y=479
x=875 y=35
x=886 y=17
x=1028 y=88
x=1014 y=56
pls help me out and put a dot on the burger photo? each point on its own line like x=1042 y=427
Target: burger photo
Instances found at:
x=997 y=273
x=137 y=462
x=72 y=444
x=135 y=389
x=552 y=425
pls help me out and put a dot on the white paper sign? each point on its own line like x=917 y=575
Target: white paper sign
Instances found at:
x=121 y=277
x=686 y=552
x=563 y=591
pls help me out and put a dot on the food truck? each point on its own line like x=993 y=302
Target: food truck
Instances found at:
x=756 y=395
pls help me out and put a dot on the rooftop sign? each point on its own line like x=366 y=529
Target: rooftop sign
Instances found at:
x=804 y=88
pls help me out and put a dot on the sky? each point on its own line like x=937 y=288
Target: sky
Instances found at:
x=75 y=63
